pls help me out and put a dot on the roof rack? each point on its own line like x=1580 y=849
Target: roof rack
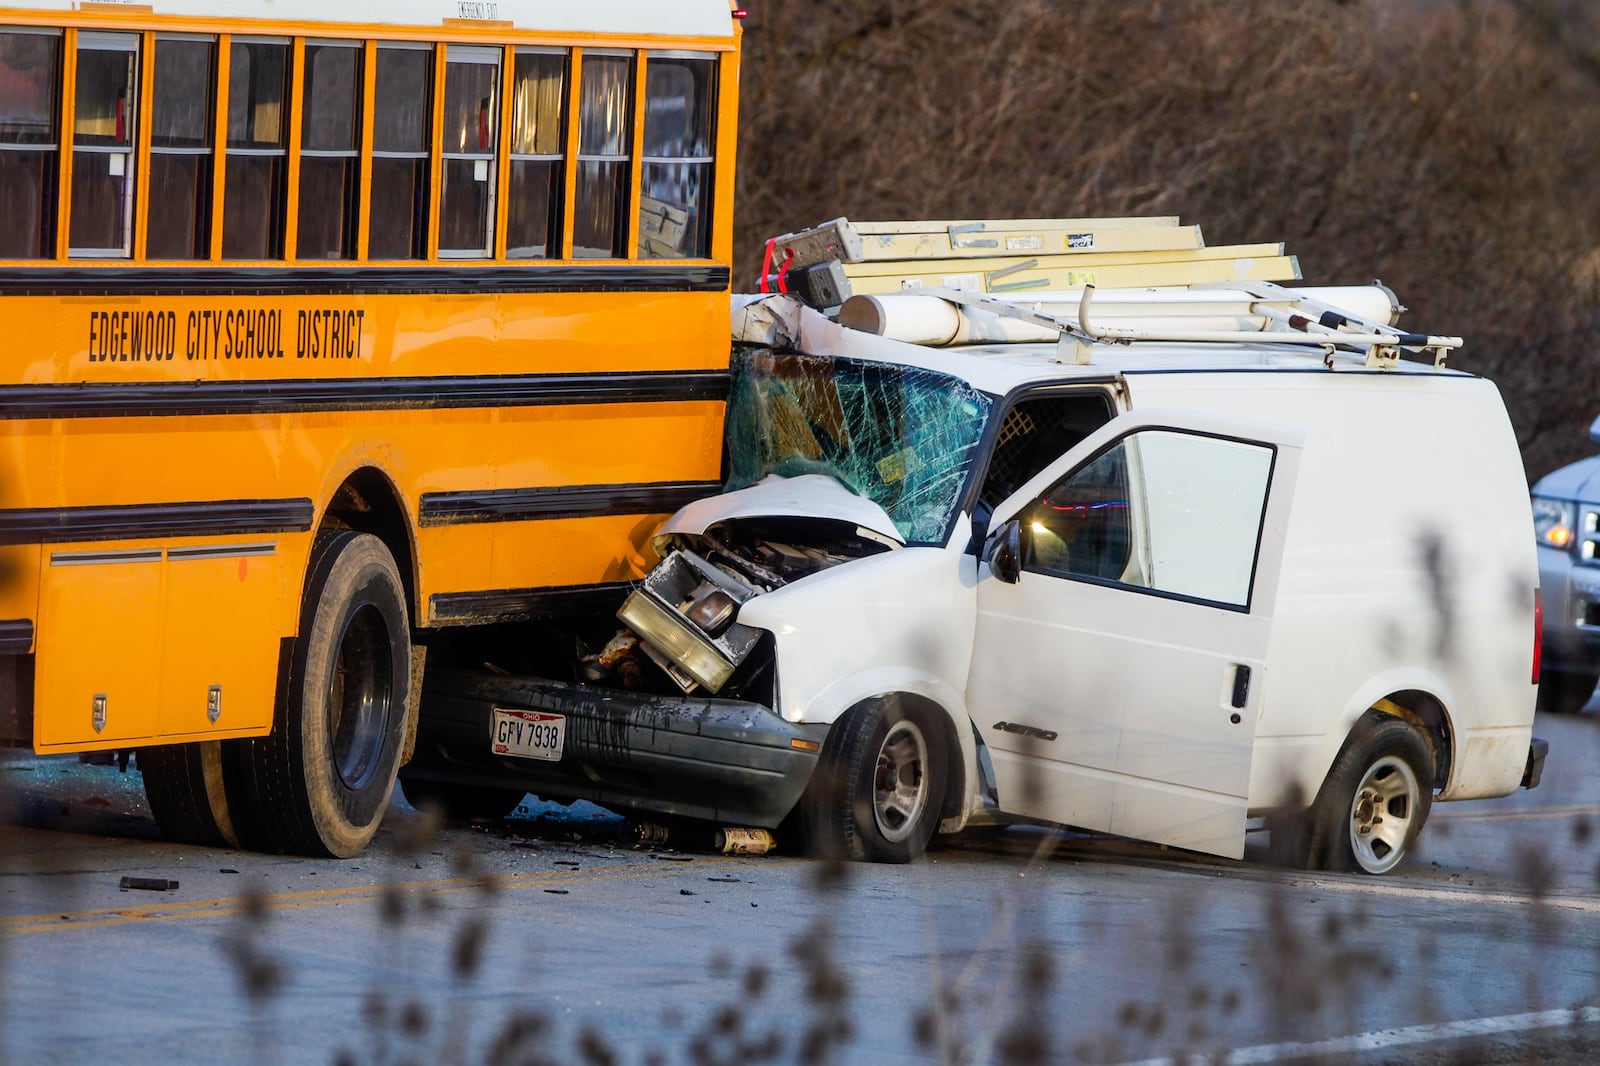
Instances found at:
x=1294 y=317
x=1166 y=286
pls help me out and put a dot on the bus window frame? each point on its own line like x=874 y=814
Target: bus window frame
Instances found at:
x=149 y=150
x=285 y=152
x=50 y=205
x=554 y=234
x=623 y=212
x=703 y=248
x=623 y=168
x=422 y=251
x=354 y=156
x=454 y=52
x=100 y=40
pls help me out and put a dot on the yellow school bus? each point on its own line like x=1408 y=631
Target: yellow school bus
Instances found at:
x=330 y=328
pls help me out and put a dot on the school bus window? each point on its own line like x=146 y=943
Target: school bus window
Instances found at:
x=605 y=134
x=330 y=148
x=102 y=145
x=471 y=139
x=179 y=222
x=30 y=71
x=675 y=183
x=253 y=198
x=400 y=146
x=538 y=136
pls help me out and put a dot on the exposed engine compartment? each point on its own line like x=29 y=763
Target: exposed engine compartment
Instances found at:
x=681 y=623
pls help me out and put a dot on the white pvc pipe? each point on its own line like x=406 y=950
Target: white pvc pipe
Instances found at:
x=929 y=320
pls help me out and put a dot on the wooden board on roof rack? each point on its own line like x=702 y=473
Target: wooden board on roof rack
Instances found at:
x=935 y=225
x=1070 y=237
x=844 y=241
x=1024 y=275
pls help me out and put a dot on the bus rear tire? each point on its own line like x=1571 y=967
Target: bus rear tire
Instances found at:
x=184 y=786
x=322 y=780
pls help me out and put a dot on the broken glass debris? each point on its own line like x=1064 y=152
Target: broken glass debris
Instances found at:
x=902 y=437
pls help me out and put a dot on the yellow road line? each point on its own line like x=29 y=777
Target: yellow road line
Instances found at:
x=281 y=901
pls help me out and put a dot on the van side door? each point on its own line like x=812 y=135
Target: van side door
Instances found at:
x=1123 y=620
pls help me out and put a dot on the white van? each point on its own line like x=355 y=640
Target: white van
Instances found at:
x=1151 y=589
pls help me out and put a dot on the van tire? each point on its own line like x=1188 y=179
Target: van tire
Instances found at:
x=322 y=779
x=878 y=787
x=1565 y=691
x=184 y=785
x=1374 y=800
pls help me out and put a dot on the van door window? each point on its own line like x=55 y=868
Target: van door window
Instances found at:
x=1175 y=513
x=1035 y=432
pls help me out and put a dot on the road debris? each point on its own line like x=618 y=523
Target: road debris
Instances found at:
x=148 y=884
x=737 y=841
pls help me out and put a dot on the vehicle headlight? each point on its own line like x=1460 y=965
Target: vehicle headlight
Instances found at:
x=1555 y=522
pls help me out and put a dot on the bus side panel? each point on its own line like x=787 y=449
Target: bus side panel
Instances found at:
x=218 y=663
x=140 y=644
x=98 y=658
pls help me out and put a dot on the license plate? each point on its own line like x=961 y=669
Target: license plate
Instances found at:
x=528 y=734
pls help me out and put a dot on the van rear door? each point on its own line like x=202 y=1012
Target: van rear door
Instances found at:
x=1116 y=680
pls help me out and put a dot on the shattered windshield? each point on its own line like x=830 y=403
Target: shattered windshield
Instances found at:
x=902 y=437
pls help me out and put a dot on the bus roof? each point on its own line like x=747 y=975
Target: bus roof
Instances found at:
x=680 y=18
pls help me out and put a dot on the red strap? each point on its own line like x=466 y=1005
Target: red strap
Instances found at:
x=783 y=271
x=766 y=264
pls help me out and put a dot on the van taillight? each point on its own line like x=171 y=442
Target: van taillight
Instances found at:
x=1538 y=633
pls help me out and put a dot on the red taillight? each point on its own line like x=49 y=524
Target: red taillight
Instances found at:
x=740 y=13
x=1538 y=634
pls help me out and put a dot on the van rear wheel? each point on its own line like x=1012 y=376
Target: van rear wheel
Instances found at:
x=322 y=779
x=1374 y=801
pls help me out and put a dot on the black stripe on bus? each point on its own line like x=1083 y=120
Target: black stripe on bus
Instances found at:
x=517 y=605
x=564 y=501
x=129 y=399
x=136 y=521
x=205 y=280
x=16 y=636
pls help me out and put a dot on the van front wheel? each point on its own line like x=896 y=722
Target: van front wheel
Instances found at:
x=878 y=786
x=1375 y=799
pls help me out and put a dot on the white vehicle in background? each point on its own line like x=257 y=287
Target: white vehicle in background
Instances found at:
x=1566 y=521
x=1194 y=556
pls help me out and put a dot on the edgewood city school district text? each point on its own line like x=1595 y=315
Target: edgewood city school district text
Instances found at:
x=159 y=336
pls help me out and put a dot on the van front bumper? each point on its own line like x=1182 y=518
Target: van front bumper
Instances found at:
x=733 y=762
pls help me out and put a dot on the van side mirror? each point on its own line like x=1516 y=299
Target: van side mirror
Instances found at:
x=1003 y=551
x=1594 y=431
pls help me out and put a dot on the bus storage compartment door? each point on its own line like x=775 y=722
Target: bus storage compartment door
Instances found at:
x=141 y=644
x=219 y=661
x=97 y=655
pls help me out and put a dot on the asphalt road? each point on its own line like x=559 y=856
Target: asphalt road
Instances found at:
x=554 y=937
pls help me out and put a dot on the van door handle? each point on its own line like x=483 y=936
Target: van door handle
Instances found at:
x=1241 y=686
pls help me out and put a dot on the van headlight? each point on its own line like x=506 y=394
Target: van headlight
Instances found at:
x=1555 y=522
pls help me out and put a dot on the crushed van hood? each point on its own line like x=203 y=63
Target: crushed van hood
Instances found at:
x=807 y=496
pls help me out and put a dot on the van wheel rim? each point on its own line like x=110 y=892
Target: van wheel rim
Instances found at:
x=359 y=698
x=1382 y=813
x=900 y=781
